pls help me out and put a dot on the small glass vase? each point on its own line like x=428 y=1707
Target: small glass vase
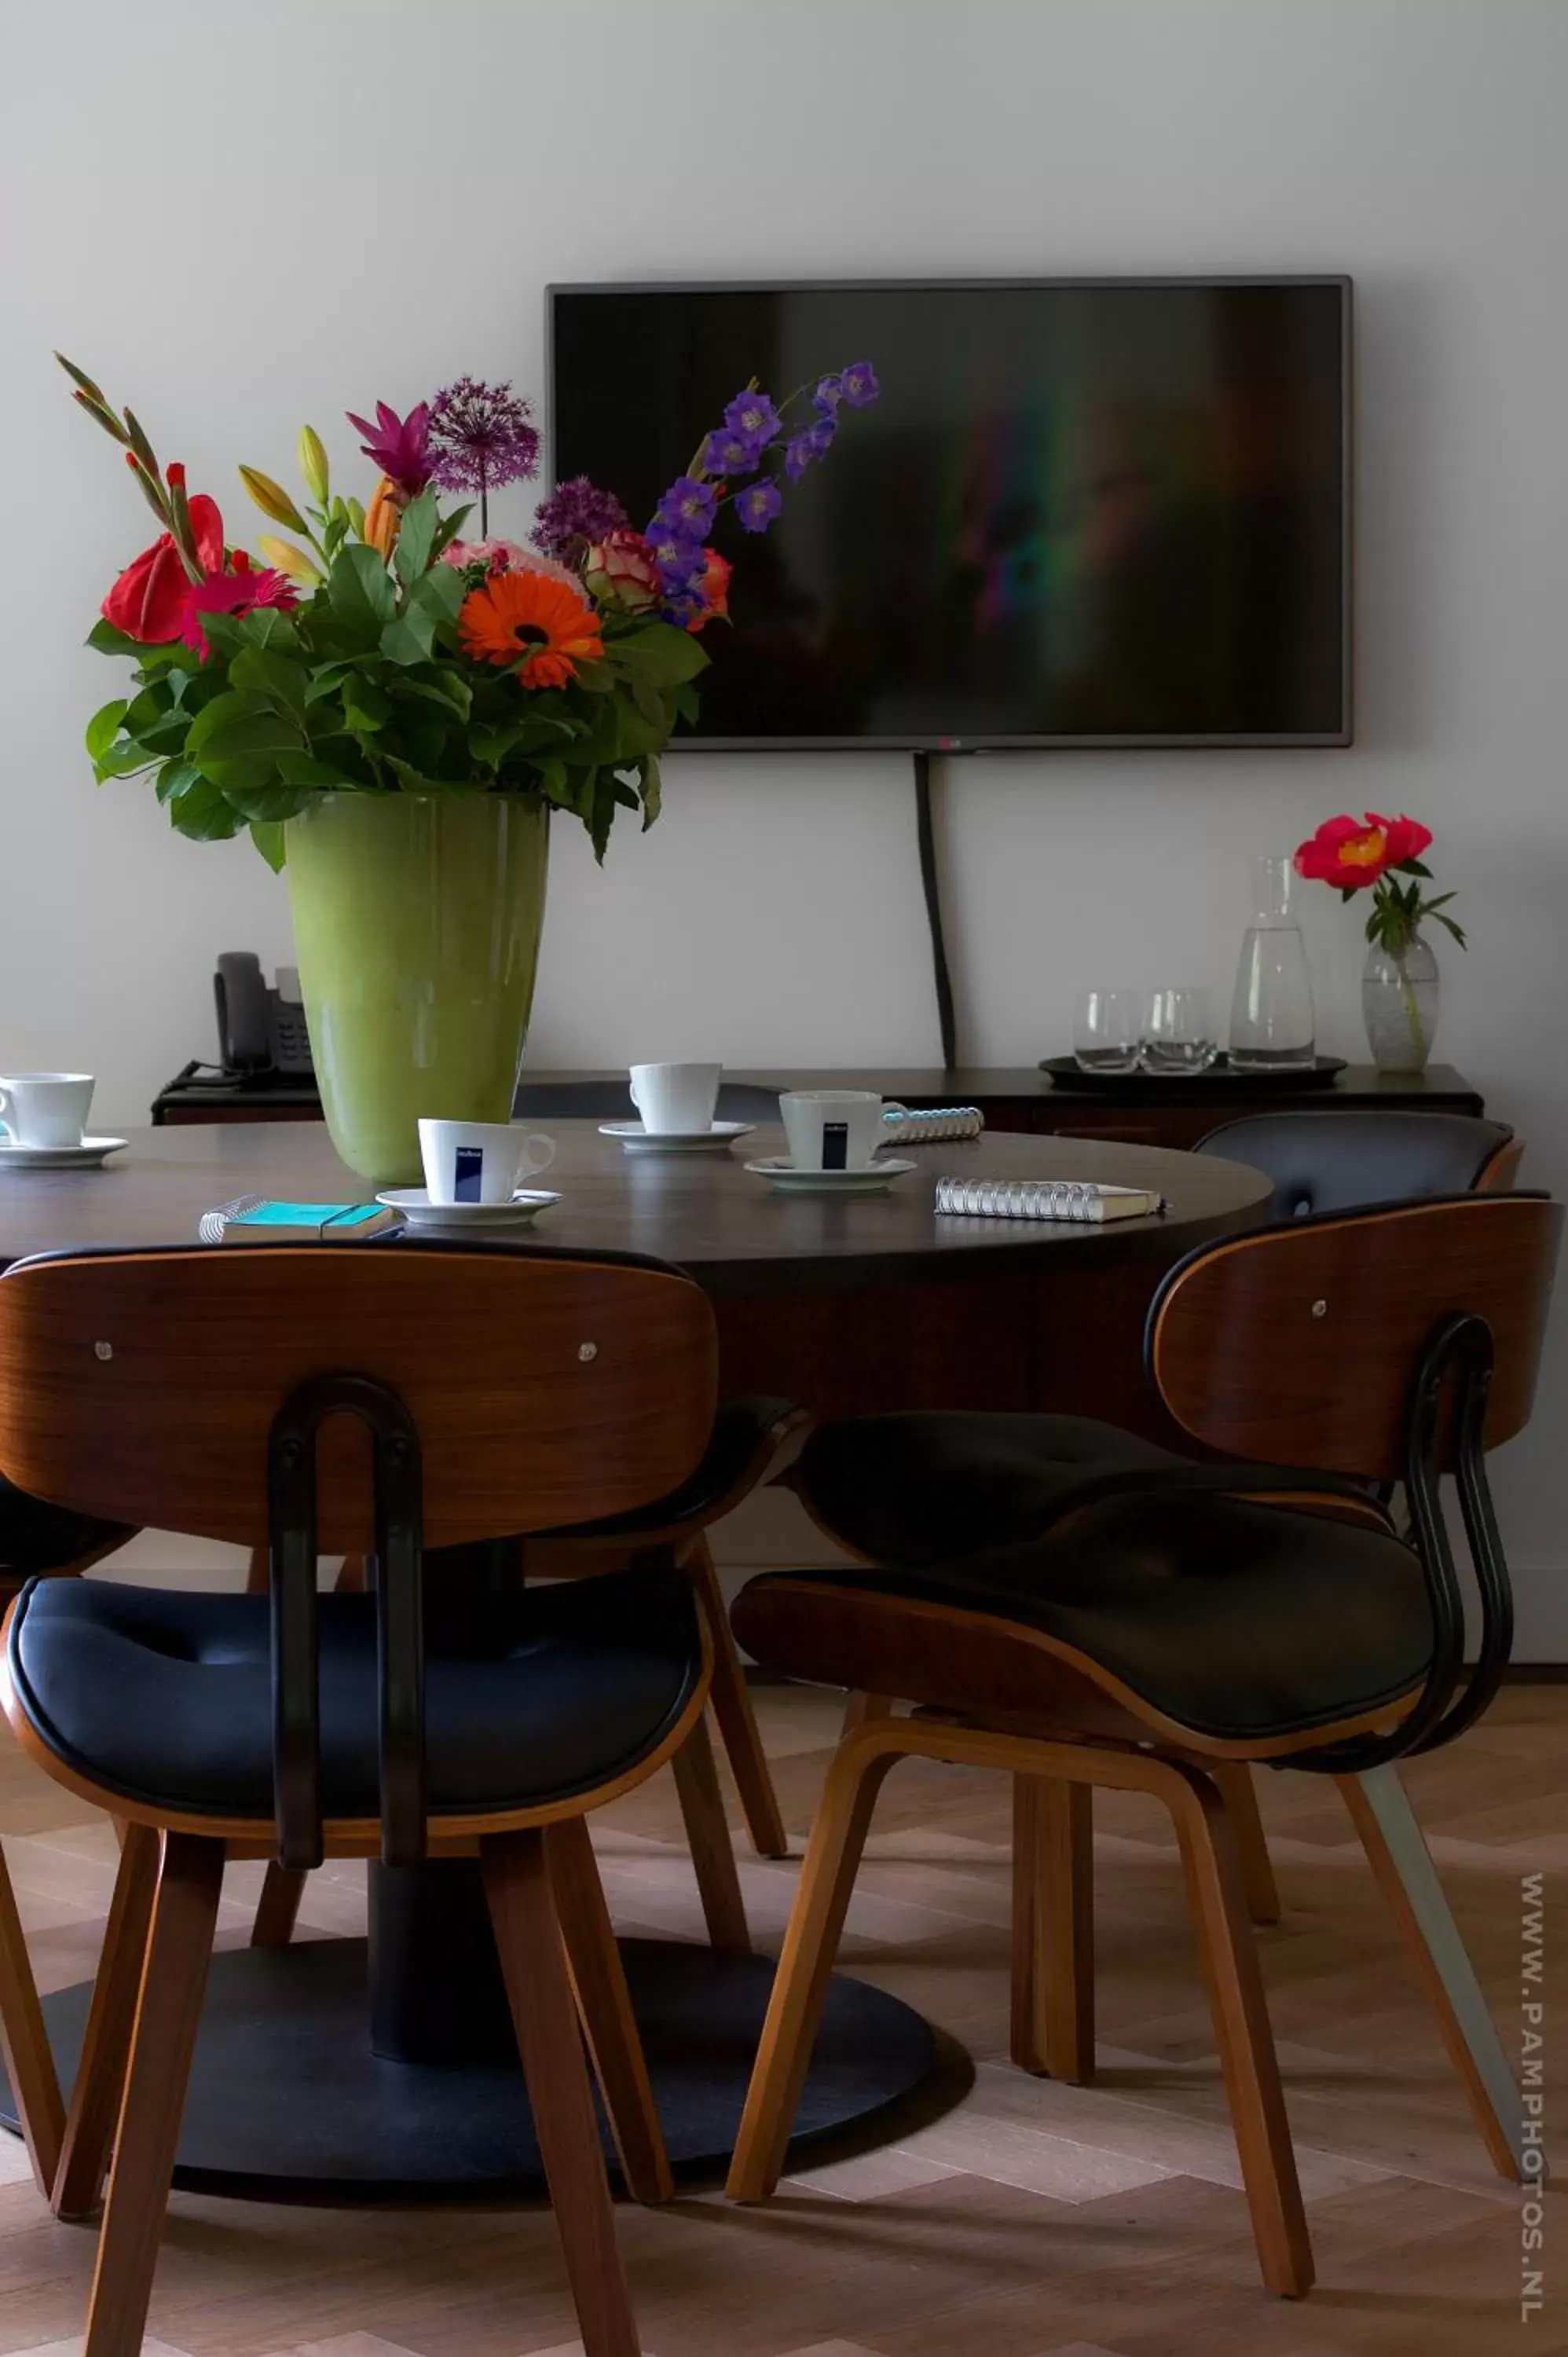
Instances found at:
x=1399 y=1002
x=1271 y=1014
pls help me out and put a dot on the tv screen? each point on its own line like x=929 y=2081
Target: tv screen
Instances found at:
x=1082 y=511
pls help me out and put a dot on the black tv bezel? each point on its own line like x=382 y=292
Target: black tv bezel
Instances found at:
x=929 y=743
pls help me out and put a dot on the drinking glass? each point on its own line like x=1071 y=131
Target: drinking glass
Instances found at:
x=1107 y=1029
x=1179 y=1036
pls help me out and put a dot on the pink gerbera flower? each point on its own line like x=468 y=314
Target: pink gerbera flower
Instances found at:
x=231 y=592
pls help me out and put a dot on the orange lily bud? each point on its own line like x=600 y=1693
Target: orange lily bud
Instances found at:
x=284 y=557
x=383 y=517
x=272 y=499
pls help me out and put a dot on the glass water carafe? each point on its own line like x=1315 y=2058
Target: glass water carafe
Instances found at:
x=1271 y=1015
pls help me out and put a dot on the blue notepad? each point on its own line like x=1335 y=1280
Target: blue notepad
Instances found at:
x=255 y=1220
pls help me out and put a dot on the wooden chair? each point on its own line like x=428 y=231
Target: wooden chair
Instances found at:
x=1172 y=1622
x=1002 y=1467
x=230 y=1394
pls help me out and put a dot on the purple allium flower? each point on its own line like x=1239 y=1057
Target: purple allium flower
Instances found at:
x=687 y=507
x=757 y=506
x=481 y=438
x=398 y=445
x=727 y=453
x=576 y=511
x=859 y=385
x=753 y=416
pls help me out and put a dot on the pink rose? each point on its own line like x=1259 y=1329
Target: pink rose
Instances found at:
x=621 y=571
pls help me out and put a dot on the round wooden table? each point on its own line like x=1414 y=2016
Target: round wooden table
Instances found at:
x=848 y=1305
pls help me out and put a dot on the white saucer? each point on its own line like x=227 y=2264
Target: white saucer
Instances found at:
x=414 y=1204
x=717 y=1139
x=88 y=1156
x=875 y=1179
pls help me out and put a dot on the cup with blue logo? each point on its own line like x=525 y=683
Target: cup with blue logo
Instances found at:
x=480 y=1161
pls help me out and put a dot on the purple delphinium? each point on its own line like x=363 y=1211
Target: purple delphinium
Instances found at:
x=827 y=395
x=752 y=415
x=576 y=516
x=726 y=453
x=681 y=559
x=859 y=385
x=814 y=442
x=482 y=436
x=686 y=508
x=399 y=447
x=756 y=507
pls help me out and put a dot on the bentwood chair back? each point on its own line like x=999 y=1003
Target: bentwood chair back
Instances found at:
x=385 y=1399
x=1339 y=1162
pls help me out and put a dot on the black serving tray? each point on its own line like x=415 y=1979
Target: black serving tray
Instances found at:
x=1222 y=1080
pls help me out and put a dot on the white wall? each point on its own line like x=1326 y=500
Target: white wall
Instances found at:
x=242 y=217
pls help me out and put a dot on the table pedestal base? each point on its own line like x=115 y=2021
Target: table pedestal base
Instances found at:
x=288 y=2102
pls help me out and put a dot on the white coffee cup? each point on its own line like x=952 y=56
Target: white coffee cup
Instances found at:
x=46 y=1108
x=831 y=1129
x=676 y=1100
x=480 y=1161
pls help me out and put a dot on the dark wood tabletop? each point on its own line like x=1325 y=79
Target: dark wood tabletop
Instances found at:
x=734 y=1233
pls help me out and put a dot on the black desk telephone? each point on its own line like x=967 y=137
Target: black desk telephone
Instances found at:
x=260 y=1030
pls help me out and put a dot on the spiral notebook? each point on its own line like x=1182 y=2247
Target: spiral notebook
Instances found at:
x=945 y=1125
x=1045 y=1199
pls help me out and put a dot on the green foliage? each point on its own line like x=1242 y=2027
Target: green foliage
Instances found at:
x=364 y=688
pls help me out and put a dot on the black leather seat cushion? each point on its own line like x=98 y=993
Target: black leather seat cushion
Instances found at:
x=922 y=1488
x=1339 y=1162
x=530 y=1697
x=740 y=1428
x=35 y=1537
x=1239 y=1621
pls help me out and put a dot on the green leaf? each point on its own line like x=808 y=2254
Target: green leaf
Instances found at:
x=360 y=593
x=269 y=804
x=366 y=706
x=176 y=778
x=205 y=814
x=416 y=535
x=324 y=681
x=649 y=703
x=652 y=781
x=111 y=641
x=271 y=841
x=105 y=727
x=444 y=687
x=275 y=679
x=269 y=625
x=439 y=592
x=447 y=530
x=664 y=653
x=598 y=678
x=237 y=740
x=126 y=759
x=409 y=640
x=307 y=769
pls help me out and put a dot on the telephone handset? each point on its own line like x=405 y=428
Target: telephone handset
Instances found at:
x=258 y=1029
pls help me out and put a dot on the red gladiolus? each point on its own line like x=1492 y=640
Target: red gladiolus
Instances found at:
x=148 y=602
x=1353 y=853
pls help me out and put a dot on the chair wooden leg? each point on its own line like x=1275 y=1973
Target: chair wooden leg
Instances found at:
x=805 y=1965
x=1217 y=1894
x=1236 y=1779
x=168 y=2010
x=707 y=1831
x=860 y=1709
x=604 y=2003
x=736 y=1720
x=533 y=1962
x=100 y=2073
x=1381 y=1815
x=1053 y=1928
x=283 y=1888
x=24 y=2046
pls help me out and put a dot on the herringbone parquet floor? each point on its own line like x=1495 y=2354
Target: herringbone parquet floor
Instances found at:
x=1037 y=2221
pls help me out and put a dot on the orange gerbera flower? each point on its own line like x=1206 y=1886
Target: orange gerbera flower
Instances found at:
x=552 y=627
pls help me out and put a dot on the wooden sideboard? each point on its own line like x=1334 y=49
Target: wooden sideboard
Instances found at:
x=1162 y=1113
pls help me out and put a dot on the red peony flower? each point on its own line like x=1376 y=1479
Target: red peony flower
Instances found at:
x=713 y=589
x=1353 y=853
x=148 y=602
x=231 y=593
x=621 y=571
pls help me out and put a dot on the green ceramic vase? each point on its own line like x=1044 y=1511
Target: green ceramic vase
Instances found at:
x=416 y=924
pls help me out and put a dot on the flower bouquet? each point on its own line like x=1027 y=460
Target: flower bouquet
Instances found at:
x=1399 y=983
x=379 y=652
x=393 y=709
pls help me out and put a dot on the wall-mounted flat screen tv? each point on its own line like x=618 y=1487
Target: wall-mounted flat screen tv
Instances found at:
x=1083 y=511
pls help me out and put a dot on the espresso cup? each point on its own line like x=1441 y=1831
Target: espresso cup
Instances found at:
x=480 y=1161
x=831 y=1129
x=676 y=1100
x=46 y=1108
